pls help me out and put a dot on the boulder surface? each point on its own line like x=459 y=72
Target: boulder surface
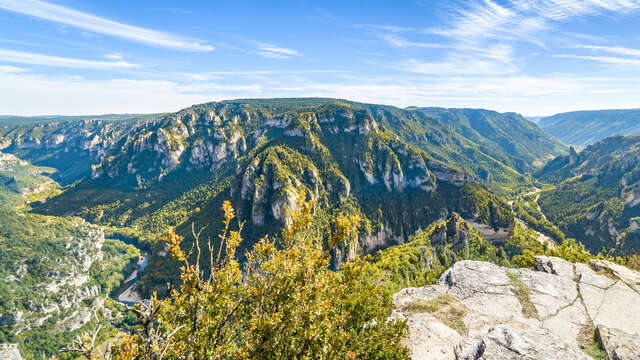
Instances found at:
x=558 y=310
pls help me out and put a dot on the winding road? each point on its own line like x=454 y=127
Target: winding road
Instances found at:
x=541 y=237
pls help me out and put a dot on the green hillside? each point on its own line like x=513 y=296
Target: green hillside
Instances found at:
x=399 y=169
x=430 y=186
x=68 y=144
x=428 y=254
x=55 y=271
x=596 y=195
x=260 y=154
x=582 y=128
x=507 y=137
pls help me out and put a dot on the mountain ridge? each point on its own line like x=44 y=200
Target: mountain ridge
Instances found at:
x=400 y=170
x=586 y=127
x=594 y=198
x=351 y=157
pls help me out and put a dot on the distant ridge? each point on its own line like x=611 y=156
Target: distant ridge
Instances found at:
x=588 y=127
x=11 y=120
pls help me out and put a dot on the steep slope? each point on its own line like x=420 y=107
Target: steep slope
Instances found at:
x=21 y=181
x=54 y=272
x=587 y=127
x=68 y=145
x=259 y=154
x=496 y=148
x=597 y=194
x=507 y=137
x=428 y=254
x=487 y=144
x=558 y=310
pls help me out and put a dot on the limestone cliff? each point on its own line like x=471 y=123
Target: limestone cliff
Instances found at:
x=259 y=157
x=70 y=147
x=597 y=195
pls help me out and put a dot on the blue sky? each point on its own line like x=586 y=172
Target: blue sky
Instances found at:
x=534 y=57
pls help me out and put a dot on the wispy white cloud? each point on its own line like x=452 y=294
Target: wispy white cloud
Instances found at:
x=47 y=60
x=394 y=36
x=481 y=36
x=28 y=43
x=466 y=60
x=400 y=42
x=611 y=49
x=276 y=52
x=457 y=66
x=11 y=69
x=562 y=9
x=481 y=19
x=611 y=60
x=96 y=24
x=522 y=19
x=114 y=56
x=251 y=74
x=624 y=56
x=384 y=28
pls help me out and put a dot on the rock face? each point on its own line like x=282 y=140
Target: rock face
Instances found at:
x=558 y=310
x=9 y=352
x=65 y=288
x=69 y=146
x=602 y=174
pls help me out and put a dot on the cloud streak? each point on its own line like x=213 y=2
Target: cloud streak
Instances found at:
x=482 y=36
x=610 y=60
x=611 y=49
x=56 y=61
x=623 y=56
x=400 y=42
x=542 y=95
x=276 y=52
x=11 y=69
x=522 y=19
x=96 y=24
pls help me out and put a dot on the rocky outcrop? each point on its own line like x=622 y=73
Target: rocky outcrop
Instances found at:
x=65 y=287
x=21 y=180
x=397 y=167
x=60 y=284
x=601 y=175
x=633 y=198
x=270 y=183
x=188 y=140
x=491 y=234
x=9 y=352
x=558 y=310
x=71 y=146
x=619 y=344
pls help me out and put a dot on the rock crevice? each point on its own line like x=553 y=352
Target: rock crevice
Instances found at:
x=579 y=307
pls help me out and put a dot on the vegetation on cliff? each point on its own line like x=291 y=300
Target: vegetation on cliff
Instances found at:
x=583 y=128
x=284 y=302
x=428 y=254
x=54 y=271
x=597 y=194
x=348 y=157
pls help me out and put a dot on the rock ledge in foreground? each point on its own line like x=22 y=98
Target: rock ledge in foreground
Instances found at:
x=479 y=310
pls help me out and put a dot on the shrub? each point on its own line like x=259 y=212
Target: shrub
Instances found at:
x=285 y=303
